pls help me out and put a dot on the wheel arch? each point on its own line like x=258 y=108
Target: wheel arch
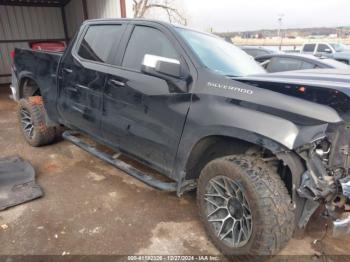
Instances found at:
x=27 y=80
x=219 y=142
x=210 y=147
x=43 y=89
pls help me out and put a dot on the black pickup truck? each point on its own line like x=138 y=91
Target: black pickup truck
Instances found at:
x=264 y=151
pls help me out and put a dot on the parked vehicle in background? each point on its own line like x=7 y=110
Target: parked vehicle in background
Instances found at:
x=290 y=62
x=263 y=150
x=255 y=51
x=339 y=52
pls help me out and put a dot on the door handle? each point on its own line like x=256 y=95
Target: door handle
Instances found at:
x=116 y=82
x=67 y=70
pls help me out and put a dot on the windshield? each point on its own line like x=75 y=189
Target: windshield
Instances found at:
x=339 y=47
x=219 y=55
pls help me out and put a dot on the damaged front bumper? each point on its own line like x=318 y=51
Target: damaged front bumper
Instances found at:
x=326 y=179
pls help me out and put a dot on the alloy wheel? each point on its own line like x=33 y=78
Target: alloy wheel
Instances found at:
x=27 y=122
x=228 y=211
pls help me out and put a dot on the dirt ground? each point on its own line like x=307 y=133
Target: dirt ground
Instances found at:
x=90 y=207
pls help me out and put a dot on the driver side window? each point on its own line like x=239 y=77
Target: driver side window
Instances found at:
x=146 y=40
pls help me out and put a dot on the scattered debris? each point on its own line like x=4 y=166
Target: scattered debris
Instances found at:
x=178 y=238
x=319 y=245
x=115 y=156
x=50 y=168
x=96 y=230
x=112 y=194
x=96 y=177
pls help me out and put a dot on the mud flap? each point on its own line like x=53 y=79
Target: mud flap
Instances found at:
x=17 y=182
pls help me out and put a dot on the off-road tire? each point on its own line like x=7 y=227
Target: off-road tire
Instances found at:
x=268 y=198
x=41 y=134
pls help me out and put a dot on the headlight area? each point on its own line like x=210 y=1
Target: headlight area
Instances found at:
x=327 y=178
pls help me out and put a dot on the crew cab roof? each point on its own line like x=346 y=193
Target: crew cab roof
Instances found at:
x=166 y=24
x=108 y=20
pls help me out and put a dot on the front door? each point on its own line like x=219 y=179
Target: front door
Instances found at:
x=144 y=113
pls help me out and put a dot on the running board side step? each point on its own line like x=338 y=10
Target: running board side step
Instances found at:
x=130 y=170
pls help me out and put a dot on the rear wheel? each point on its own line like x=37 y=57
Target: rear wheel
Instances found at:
x=31 y=116
x=245 y=206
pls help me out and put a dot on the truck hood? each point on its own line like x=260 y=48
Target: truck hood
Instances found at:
x=337 y=79
x=246 y=105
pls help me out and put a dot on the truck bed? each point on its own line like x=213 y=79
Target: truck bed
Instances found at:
x=40 y=66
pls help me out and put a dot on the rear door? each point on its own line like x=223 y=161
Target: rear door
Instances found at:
x=145 y=114
x=82 y=76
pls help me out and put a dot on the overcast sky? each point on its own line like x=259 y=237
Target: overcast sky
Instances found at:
x=241 y=15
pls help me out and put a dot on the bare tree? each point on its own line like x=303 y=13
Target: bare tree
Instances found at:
x=141 y=7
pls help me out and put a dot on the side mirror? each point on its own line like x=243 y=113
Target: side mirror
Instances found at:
x=158 y=66
x=328 y=50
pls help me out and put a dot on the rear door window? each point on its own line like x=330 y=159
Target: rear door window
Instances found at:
x=147 y=40
x=99 y=43
x=309 y=48
x=279 y=64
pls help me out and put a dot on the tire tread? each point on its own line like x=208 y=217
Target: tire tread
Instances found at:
x=43 y=135
x=276 y=220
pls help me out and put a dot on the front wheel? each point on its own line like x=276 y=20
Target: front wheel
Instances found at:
x=245 y=206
